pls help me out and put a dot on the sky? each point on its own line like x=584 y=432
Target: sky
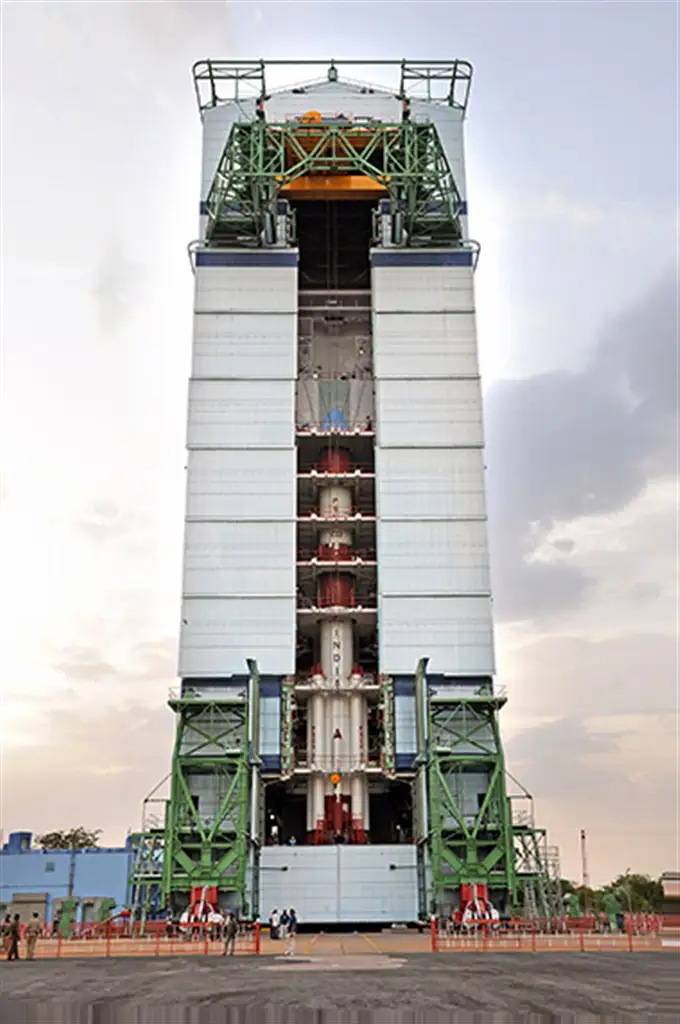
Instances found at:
x=572 y=166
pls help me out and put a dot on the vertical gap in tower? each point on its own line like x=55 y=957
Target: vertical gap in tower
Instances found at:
x=335 y=695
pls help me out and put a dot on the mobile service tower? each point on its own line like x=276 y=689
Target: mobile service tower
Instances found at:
x=337 y=744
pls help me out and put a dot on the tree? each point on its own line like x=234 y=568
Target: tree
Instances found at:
x=638 y=893
x=74 y=839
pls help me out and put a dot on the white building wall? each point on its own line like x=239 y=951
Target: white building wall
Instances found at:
x=433 y=483
x=435 y=598
x=239 y=553
x=218 y=634
x=249 y=484
x=341 y=884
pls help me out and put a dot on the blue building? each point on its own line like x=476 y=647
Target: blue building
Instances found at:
x=41 y=877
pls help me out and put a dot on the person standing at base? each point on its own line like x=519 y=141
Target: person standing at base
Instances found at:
x=230 y=933
x=14 y=936
x=6 y=929
x=291 y=932
x=33 y=933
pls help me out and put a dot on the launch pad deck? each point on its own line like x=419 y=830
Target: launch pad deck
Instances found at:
x=365 y=987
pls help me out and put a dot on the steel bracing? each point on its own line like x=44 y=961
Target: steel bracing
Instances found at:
x=464 y=819
x=261 y=159
x=439 y=81
x=210 y=832
x=208 y=846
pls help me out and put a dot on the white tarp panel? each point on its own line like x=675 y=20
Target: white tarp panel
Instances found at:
x=218 y=634
x=239 y=559
x=430 y=483
x=455 y=633
x=246 y=346
x=414 y=345
x=422 y=289
x=233 y=289
x=429 y=413
x=336 y=884
x=240 y=484
x=241 y=414
x=435 y=557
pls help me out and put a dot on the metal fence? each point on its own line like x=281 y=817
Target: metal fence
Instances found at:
x=588 y=934
x=156 y=938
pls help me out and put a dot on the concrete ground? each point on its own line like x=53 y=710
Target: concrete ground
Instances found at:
x=343 y=979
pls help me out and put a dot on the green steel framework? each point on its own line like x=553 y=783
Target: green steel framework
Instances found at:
x=216 y=741
x=259 y=159
x=458 y=734
x=443 y=81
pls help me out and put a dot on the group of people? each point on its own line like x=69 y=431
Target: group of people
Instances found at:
x=11 y=936
x=284 y=926
x=210 y=924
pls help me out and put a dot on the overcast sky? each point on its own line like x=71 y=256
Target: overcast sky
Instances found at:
x=572 y=187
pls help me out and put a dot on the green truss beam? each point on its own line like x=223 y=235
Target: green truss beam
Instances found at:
x=259 y=159
x=208 y=846
x=467 y=846
x=471 y=840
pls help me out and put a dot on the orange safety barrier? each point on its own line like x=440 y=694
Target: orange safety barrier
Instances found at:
x=155 y=939
x=586 y=935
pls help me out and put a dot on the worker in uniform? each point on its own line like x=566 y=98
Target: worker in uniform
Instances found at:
x=230 y=933
x=33 y=933
x=4 y=932
x=14 y=936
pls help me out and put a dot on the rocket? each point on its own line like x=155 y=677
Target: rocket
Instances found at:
x=337 y=714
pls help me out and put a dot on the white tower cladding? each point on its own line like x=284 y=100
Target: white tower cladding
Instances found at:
x=432 y=538
x=239 y=557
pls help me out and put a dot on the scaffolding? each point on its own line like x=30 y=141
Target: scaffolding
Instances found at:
x=146 y=898
x=260 y=161
x=235 y=81
x=463 y=815
x=536 y=862
x=211 y=816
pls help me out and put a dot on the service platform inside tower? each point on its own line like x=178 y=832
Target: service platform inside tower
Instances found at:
x=337 y=745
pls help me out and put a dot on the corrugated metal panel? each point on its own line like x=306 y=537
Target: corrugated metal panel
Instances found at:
x=422 y=289
x=405 y=735
x=239 y=559
x=435 y=557
x=429 y=413
x=329 y=884
x=455 y=633
x=302 y=877
x=246 y=290
x=430 y=483
x=217 y=122
x=425 y=345
x=241 y=414
x=370 y=889
x=217 y=635
x=240 y=345
x=239 y=484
